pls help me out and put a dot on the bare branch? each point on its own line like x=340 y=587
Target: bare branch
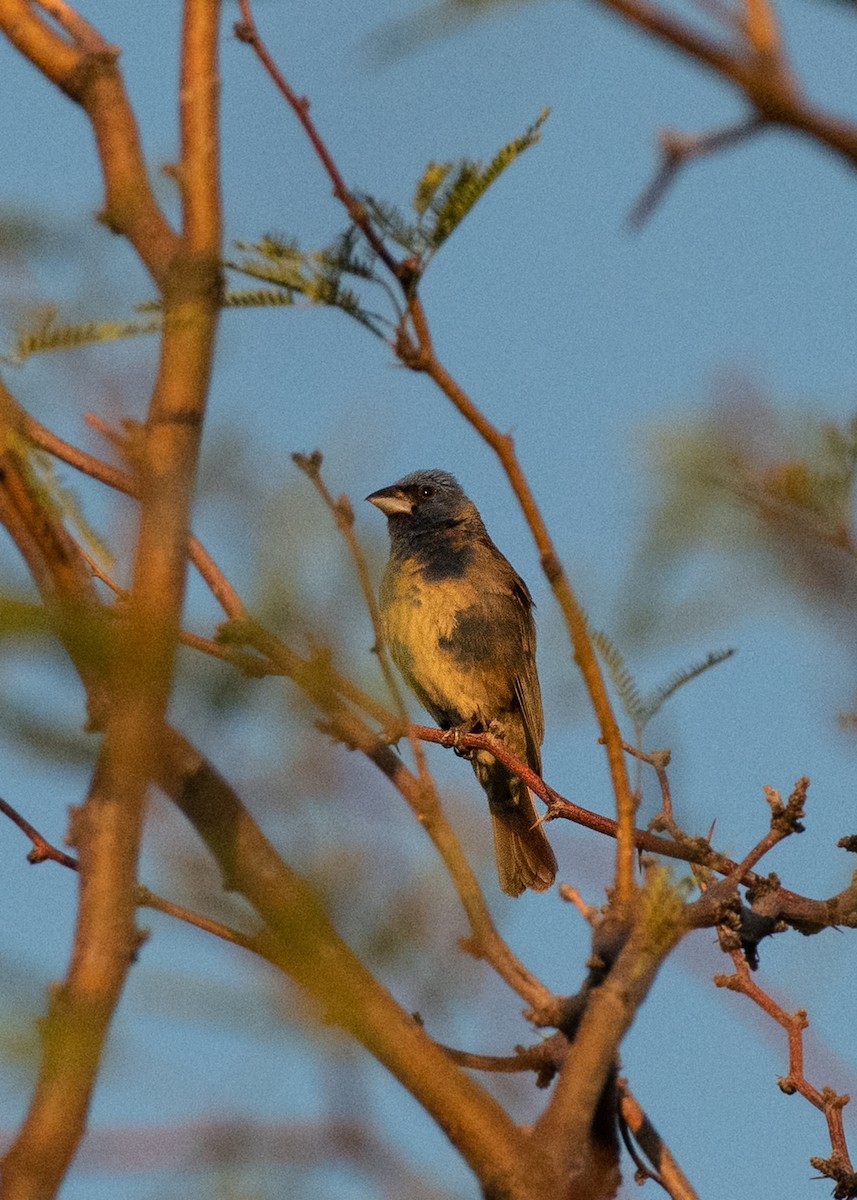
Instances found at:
x=826 y=1100
x=343 y=514
x=246 y=31
x=88 y=73
x=677 y=150
x=44 y=851
x=106 y=828
x=763 y=77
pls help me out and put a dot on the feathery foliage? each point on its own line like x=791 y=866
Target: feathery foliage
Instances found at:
x=638 y=708
x=448 y=192
x=444 y=195
x=42 y=334
x=315 y=276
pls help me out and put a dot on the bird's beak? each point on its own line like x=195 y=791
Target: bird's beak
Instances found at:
x=392 y=501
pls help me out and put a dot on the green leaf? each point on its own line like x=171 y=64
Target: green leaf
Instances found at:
x=274 y=260
x=256 y=298
x=43 y=335
x=454 y=200
x=316 y=276
x=427 y=188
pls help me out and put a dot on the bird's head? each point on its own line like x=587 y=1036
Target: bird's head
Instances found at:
x=423 y=502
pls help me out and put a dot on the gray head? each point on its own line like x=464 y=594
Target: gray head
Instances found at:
x=423 y=502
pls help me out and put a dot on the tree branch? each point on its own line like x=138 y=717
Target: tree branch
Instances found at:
x=86 y=69
x=758 y=68
x=106 y=828
x=826 y=1101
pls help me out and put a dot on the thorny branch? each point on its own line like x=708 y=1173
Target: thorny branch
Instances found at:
x=806 y=913
x=838 y=1166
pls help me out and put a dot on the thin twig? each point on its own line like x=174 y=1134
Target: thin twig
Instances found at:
x=421 y=356
x=247 y=31
x=677 y=150
x=658 y=760
x=826 y=1100
x=44 y=851
x=121 y=481
x=219 y=586
x=590 y=914
x=545 y=1058
x=346 y=726
x=803 y=912
x=248 y=664
x=765 y=79
x=343 y=514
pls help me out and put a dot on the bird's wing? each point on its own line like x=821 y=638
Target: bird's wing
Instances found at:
x=527 y=688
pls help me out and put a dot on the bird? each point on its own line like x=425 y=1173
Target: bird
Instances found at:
x=457 y=619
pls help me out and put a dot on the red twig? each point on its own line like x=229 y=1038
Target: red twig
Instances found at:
x=247 y=31
x=42 y=850
x=826 y=1100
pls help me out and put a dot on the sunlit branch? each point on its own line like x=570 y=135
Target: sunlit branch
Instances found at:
x=756 y=65
x=106 y=828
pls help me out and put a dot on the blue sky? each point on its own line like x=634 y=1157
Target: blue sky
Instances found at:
x=582 y=338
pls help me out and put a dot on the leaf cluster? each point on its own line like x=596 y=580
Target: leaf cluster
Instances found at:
x=333 y=276
x=41 y=332
x=444 y=195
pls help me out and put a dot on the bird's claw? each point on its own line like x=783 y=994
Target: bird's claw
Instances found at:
x=452 y=737
x=458 y=732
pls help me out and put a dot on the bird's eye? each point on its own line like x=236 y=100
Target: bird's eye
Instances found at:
x=426 y=492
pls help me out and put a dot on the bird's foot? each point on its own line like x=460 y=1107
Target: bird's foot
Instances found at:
x=496 y=729
x=457 y=732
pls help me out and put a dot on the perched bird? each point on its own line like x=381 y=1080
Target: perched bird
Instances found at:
x=457 y=620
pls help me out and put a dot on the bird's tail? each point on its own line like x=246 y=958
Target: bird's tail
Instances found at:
x=523 y=852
